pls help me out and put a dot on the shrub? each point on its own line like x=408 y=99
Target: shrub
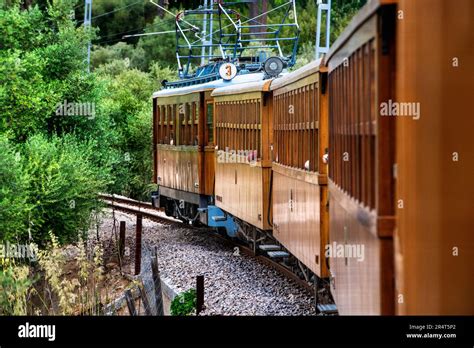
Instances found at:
x=13 y=193
x=62 y=188
x=48 y=287
x=14 y=288
x=184 y=303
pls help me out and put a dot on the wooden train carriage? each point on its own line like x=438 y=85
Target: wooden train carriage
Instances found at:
x=361 y=67
x=434 y=240
x=183 y=151
x=183 y=123
x=243 y=126
x=300 y=140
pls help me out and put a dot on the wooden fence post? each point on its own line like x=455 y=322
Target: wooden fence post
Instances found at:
x=122 y=239
x=138 y=245
x=199 y=294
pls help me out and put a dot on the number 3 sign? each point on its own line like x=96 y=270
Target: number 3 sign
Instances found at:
x=228 y=71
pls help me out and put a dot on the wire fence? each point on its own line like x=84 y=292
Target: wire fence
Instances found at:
x=145 y=297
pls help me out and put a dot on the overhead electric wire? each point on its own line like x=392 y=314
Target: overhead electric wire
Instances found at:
x=249 y=20
x=173 y=14
x=116 y=10
x=141 y=28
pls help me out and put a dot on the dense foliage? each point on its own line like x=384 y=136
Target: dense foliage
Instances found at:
x=53 y=164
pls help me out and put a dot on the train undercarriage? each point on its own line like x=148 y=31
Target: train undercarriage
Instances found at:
x=259 y=241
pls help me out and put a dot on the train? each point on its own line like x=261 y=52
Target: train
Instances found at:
x=351 y=170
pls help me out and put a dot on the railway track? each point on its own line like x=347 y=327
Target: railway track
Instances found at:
x=134 y=207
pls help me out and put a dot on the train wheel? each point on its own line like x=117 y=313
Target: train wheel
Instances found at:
x=169 y=208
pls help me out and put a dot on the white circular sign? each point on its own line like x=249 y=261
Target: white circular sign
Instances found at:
x=227 y=71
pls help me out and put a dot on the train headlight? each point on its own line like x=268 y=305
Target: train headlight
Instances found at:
x=273 y=66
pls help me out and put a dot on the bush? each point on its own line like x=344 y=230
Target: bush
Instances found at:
x=159 y=73
x=13 y=193
x=184 y=304
x=15 y=286
x=62 y=188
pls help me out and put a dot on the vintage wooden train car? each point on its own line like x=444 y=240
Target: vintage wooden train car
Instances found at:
x=243 y=127
x=361 y=66
x=299 y=183
x=434 y=240
x=184 y=151
x=389 y=219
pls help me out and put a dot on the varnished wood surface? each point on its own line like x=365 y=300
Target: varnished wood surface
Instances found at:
x=300 y=218
x=361 y=160
x=179 y=168
x=294 y=77
x=353 y=31
x=300 y=212
x=296 y=125
x=360 y=287
x=244 y=124
x=436 y=192
x=243 y=191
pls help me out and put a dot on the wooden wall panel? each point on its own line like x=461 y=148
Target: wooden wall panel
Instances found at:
x=178 y=168
x=300 y=217
x=240 y=191
x=437 y=192
x=184 y=158
x=299 y=193
x=242 y=181
x=356 y=285
x=209 y=171
x=361 y=160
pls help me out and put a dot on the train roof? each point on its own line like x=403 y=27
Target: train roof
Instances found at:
x=274 y=84
x=357 y=21
x=297 y=75
x=258 y=86
x=209 y=86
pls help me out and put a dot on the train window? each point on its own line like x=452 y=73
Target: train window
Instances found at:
x=258 y=122
x=210 y=120
x=296 y=128
x=174 y=126
x=196 y=123
x=352 y=134
x=167 y=126
x=187 y=124
x=181 y=136
x=238 y=127
x=159 y=124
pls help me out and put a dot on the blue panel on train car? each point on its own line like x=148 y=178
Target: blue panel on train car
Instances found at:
x=218 y=218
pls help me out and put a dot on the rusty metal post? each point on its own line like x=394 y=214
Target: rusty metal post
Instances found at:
x=144 y=298
x=138 y=245
x=130 y=303
x=157 y=283
x=122 y=239
x=199 y=294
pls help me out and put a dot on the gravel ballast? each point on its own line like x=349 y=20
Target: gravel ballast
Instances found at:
x=235 y=284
